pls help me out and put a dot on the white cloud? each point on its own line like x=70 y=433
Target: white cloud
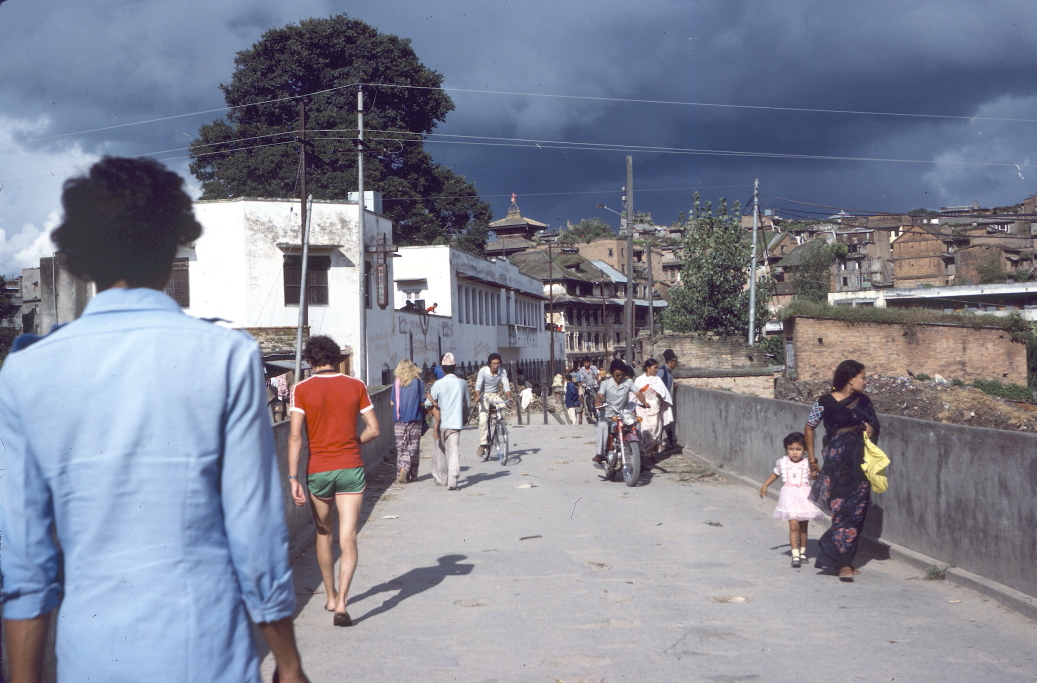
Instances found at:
x=31 y=191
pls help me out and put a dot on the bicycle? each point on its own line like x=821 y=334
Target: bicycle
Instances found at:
x=589 y=409
x=497 y=433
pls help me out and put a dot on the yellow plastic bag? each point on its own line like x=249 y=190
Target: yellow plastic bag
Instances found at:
x=875 y=463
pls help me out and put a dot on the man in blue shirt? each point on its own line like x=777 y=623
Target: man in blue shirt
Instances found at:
x=165 y=497
x=448 y=398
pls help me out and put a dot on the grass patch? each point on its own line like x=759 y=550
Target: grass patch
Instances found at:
x=922 y=377
x=935 y=573
x=712 y=523
x=1012 y=392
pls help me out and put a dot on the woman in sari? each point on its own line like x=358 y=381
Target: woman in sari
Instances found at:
x=657 y=414
x=848 y=414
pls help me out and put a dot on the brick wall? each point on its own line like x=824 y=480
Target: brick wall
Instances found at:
x=276 y=340
x=702 y=351
x=955 y=352
x=969 y=261
x=754 y=385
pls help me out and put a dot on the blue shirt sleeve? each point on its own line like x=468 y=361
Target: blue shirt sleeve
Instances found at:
x=31 y=560
x=252 y=500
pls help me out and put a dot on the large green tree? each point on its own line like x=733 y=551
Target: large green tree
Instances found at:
x=712 y=296
x=253 y=152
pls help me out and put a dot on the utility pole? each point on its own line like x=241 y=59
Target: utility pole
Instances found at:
x=551 y=321
x=361 y=356
x=752 y=264
x=651 y=288
x=302 y=291
x=304 y=296
x=630 y=260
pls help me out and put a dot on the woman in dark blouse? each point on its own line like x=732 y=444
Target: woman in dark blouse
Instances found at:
x=847 y=413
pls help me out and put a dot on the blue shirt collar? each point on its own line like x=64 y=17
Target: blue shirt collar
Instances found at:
x=130 y=299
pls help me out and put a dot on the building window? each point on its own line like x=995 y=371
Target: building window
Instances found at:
x=460 y=304
x=316 y=280
x=179 y=286
x=610 y=253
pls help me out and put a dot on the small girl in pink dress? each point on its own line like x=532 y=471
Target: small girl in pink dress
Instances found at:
x=793 y=504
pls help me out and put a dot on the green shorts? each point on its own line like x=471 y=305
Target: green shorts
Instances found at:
x=326 y=485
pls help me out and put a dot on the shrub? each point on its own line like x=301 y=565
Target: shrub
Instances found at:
x=1007 y=390
x=957 y=383
x=922 y=377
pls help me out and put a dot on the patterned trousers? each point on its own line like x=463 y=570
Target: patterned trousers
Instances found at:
x=408 y=441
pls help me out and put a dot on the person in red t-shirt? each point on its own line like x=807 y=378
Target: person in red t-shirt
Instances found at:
x=331 y=404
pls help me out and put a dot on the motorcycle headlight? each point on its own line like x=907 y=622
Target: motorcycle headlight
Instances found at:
x=629 y=419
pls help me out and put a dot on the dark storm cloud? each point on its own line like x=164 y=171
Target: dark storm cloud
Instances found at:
x=75 y=66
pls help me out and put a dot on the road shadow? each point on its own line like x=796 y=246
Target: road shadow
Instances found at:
x=413 y=582
x=476 y=479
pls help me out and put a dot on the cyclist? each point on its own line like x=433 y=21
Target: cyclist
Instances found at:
x=587 y=379
x=491 y=385
x=613 y=395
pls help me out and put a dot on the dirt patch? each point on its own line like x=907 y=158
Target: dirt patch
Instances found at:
x=926 y=400
x=686 y=470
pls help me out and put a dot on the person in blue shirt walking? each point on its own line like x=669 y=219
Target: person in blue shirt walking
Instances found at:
x=164 y=499
x=408 y=400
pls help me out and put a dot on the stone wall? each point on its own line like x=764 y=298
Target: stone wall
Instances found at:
x=277 y=340
x=941 y=501
x=702 y=351
x=756 y=384
x=953 y=351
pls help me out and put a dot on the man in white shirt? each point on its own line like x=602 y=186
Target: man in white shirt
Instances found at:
x=491 y=385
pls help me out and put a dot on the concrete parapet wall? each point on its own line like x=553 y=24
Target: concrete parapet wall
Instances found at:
x=963 y=495
x=299 y=518
x=954 y=351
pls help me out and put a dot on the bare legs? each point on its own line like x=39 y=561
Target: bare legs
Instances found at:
x=798 y=534
x=348 y=506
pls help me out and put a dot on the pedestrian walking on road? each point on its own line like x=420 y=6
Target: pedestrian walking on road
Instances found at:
x=848 y=414
x=449 y=400
x=793 y=504
x=330 y=405
x=154 y=518
x=408 y=400
x=491 y=386
x=656 y=415
x=573 y=405
x=666 y=371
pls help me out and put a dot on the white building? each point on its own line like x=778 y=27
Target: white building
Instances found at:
x=246 y=268
x=484 y=305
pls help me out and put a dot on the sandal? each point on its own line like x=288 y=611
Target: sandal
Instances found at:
x=846 y=574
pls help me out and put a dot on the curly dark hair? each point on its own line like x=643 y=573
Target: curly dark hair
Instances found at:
x=617 y=364
x=322 y=350
x=124 y=221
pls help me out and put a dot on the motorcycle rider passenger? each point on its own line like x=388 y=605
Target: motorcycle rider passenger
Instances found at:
x=613 y=395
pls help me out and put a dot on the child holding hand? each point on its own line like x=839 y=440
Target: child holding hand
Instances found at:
x=793 y=504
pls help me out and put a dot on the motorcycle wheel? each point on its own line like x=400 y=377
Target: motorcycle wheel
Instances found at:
x=631 y=463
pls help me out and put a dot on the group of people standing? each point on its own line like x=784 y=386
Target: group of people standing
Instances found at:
x=649 y=395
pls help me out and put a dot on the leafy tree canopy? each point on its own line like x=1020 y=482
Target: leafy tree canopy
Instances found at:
x=588 y=230
x=713 y=296
x=252 y=153
x=811 y=278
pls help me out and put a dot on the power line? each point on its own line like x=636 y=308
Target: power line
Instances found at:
x=713 y=104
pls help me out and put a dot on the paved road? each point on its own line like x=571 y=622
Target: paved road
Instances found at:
x=541 y=571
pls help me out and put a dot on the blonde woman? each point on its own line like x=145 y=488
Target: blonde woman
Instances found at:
x=408 y=397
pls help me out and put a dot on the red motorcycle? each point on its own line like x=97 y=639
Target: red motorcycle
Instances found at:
x=623 y=449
